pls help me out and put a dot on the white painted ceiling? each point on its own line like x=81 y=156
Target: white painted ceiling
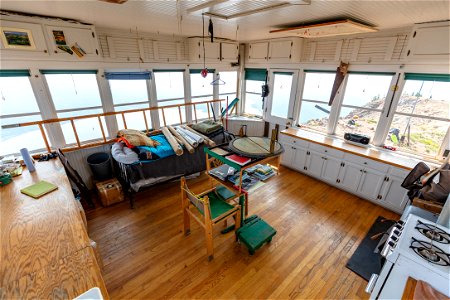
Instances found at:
x=171 y=17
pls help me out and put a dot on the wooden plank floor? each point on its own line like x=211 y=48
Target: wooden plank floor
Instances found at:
x=146 y=256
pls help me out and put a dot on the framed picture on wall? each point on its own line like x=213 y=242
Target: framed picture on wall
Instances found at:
x=16 y=38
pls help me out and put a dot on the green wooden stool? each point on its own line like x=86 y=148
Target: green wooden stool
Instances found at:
x=255 y=233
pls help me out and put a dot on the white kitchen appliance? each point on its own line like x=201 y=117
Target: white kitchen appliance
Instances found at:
x=415 y=248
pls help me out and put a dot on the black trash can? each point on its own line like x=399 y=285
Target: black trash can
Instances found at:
x=100 y=164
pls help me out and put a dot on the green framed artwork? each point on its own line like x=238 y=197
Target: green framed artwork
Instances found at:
x=17 y=38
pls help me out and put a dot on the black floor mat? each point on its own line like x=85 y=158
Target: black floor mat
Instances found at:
x=364 y=261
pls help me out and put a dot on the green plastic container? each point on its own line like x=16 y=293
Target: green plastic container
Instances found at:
x=255 y=233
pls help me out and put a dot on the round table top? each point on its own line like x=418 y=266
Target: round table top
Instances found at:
x=256 y=147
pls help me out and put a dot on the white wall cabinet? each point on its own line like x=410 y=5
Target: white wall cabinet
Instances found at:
x=257 y=51
x=229 y=52
x=84 y=37
x=371 y=180
x=429 y=42
x=276 y=51
x=226 y=51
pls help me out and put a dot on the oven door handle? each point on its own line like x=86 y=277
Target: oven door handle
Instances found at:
x=371 y=284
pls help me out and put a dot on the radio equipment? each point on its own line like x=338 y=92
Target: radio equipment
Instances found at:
x=358 y=139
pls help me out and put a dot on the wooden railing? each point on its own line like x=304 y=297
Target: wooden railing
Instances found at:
x=81 y=145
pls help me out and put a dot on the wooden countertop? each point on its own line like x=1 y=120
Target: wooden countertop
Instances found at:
x=385 y=156
x=45 y=249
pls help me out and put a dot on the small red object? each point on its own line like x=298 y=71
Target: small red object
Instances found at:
x=204 y=72
x=389 y=148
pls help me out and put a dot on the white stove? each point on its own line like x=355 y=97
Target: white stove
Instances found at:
x=415 y=248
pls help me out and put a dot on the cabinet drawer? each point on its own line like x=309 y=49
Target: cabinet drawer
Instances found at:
x=326 y=150
x=366 y=162
x=401 y=173
x=286 y=139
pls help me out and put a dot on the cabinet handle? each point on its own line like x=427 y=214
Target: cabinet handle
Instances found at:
x=361 y=171
x=378 y=197
x=364 y=171
x=387 y=178
x=306 y=168
x=381 y=197
x=326 y=151
x=307 y=153
x=343 y=164
x=338 y=180
x=325 y=158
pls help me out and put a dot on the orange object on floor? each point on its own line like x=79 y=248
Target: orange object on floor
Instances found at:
x=110 y=192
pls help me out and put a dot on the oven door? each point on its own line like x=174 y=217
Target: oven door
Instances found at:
x=376 y=281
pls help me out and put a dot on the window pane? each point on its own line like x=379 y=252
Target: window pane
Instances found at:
x=356 y=120
x=281 y=95
x=201 y=109
x=128 y=91
x=169 y=85
x=426 y=98
x=71 y=91
x=230 y=86
x=253 y=86
x=253 y=104
x=172 y=115
x=17 y=96
x=87 y=129
x=14 y=139
x=367 y=90
x=314 y=115
x=417 y=135
x=134 y=120
x=201 y=86
x=318 y=86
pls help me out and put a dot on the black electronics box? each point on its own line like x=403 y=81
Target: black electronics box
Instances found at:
x=357 y=138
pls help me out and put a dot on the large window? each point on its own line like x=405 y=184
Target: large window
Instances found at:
x=314 y=109
x=254 y=80
x=129 y=91
x=170 y=91
x=201 y=90
x=227 y=85
x=281 y=94
x=364 y=98
x=18 y=105
x=75 y=93
x=422 y=116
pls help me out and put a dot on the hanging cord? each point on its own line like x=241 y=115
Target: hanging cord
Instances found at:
x=203 y=41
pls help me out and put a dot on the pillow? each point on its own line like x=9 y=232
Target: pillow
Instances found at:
x=123 y=154
x=136 y=138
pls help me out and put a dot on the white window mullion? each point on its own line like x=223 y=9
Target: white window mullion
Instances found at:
x=151 y=88
x=382 y=134
x=107 y=103
x=47 y=108
x=385 y=120
x=216 y=94
x=187 y=95
x=336 y=107
x=298 y=100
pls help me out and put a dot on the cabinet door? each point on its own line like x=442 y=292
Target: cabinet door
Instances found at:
x=331 y=168
x=314 y=164
x=350 y=176
x=288 y=156
x=258 y=51
x=392 y=194
x=300 y=157
x=212 y=51
x=280 y=51
x=84 y=37
x=371 y=182
x=229 y=52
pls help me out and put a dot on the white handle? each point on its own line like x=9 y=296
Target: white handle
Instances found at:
x=371 y=284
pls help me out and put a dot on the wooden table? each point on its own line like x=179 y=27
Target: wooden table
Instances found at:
x=45 y=249
x=243 y=197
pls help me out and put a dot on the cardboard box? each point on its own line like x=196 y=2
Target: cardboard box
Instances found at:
x=110 y=192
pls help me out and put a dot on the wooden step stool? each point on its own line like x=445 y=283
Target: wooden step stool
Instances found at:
x=255 y=233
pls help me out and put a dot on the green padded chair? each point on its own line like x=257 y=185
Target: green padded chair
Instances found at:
x=208 y=209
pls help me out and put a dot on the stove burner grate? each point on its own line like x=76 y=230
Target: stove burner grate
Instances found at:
x=432 y=232
x=430 y=252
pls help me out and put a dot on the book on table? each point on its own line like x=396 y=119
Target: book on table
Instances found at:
x=240 y=160
x=39 y=189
